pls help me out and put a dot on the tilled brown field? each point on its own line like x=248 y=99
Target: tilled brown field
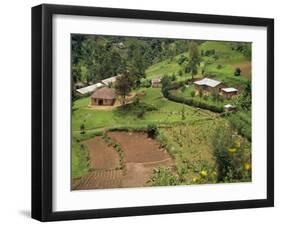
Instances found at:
x=100 y=179
x=138 y=147
x=101 y=155
x=141 y=155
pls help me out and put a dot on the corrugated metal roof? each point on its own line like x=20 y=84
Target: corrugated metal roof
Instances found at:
x=229 y=106
x=107 y=81
x=89 y=89
x=229 y=90
x=207 y=82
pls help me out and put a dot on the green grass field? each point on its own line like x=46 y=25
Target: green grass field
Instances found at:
x=226 y=59
x=79 y=160
x=167 y=112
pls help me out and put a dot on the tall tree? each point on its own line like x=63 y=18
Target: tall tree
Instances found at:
x=123 y=85
x=194 y=59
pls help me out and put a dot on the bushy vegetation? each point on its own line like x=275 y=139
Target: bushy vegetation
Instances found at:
x=232 y=156
x=241 y=119
x=241 y=122
x=206 y=152
x=195 y=103
x=152 y=131
x=136 y=107
x=191 y=148
x=163 y=177
x=79 y=159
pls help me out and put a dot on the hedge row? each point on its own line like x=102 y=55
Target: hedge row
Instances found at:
x=194 y=103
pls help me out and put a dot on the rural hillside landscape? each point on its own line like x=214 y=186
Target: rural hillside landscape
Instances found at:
x=159 y=112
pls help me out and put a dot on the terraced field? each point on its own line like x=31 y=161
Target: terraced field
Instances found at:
x=101 y=156
x=141 y=156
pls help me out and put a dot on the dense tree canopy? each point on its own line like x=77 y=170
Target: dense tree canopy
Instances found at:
x=99 y=57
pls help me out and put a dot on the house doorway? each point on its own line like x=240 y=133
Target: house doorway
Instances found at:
x=100 y=102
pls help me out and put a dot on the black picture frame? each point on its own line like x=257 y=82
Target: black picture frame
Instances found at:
x=42 y=111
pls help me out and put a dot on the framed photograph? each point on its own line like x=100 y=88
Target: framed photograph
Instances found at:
x=146 y=112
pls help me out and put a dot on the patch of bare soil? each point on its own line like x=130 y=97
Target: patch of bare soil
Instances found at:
x=101 y=156
x=138 y=174
x=141 y=155
x=138 y=148
x=99 y=179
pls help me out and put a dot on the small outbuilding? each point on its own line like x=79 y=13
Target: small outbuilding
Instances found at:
x=104 y=96
x=229 y=107
x=156 y=82
x=229 y=92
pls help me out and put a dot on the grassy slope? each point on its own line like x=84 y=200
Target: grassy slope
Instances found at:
x=79 y=163
x=227 y=58
x=191 y=146
x=168 y=112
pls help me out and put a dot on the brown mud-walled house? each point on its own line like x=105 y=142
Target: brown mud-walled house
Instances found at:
x=229 y=92
x=104 y=97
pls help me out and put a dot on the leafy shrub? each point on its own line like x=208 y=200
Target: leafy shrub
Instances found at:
x=242 y=125
x=232 y=158
x=216 y=57
x=237 y=72
x=210 y=52
x=183 y=117
x=180 y=73
x=163 y=177
x=136 y=101
x=82 y=129
x=219 y=66
x=146 y=83
x=192 y=93
x=187 y=69
x=135 y=107
x=182 y=59
x=152 y=131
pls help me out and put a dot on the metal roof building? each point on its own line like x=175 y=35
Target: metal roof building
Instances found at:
x=89 y=89
x=110 y=80
x=207 y=82
x=229 y=90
